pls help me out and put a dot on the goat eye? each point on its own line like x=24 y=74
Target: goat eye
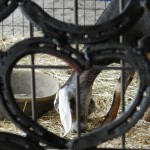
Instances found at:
x=72 y=104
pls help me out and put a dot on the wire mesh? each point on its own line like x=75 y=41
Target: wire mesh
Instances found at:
x=88 y=12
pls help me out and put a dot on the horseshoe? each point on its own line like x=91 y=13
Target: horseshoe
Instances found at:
x=64 y=32
x=6 y=8
x=10 y=141
x=110 y=53
x=30 y=47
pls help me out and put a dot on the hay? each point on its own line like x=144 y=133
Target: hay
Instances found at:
x=5 y=43
x=137 y=137
x=7 y=126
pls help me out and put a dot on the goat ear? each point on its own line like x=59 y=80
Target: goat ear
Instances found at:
x=56 y=102
x=65 y=110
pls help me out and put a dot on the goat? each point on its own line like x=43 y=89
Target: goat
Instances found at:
x=65 y=99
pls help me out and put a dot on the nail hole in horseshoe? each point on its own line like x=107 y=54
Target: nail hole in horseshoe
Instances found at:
x=41 y=45
x=9 y=2
x=74 y=56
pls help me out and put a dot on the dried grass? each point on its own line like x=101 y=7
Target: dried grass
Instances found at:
x=137 y=137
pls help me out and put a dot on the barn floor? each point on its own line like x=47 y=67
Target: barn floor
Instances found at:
x=137 y=137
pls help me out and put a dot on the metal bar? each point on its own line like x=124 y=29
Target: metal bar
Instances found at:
x=76 y=12
x=113 y=68
x=63 y=10
x=31 y=30
x=43 y=4
x=72 y=8
x=33 y=86
x=123 y=98
x=14 y=25
x=84 y=11
x=53 y=9
x=13 y=32
x=42 y=67
x=123 y=86
x=23 y=26
x=94 y=10
x=78 y=105
x=67 y=67
x=33 y=89
x=121 y=5
x=77 y=77
x=2 y=30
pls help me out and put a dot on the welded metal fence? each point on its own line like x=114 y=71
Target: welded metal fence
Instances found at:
x=88 y=12
x=73 y=26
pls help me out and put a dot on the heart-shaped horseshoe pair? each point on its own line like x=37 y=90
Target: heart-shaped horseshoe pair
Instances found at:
x=97 y=54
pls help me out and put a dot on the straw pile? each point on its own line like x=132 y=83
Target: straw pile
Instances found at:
x=137 y=137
